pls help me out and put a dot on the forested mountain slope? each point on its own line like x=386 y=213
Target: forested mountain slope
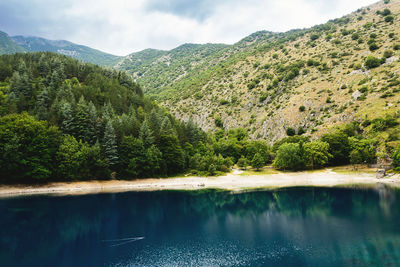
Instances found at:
x=18 y=44
x=60 y=118
x=306 y=79
x=81 y=52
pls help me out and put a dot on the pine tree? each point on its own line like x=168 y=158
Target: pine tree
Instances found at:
x=192 y=132
x=154 y=160
x=92 y=127
x=43 y=66
x=82 y=120
x=67 y=116
x=108 y=111
x=166 y=127
x=42 y=104
x=146 y=134
x=22 y=67
x=24 y=86
x=110 y=146
x=15 y=84
x=154 y=122
x=64 y=92
x=11 y=103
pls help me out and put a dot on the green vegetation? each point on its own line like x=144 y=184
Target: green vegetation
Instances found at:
x=288 y=87
x=80 y=52
x=373 y=62
x=62 y=119
x=8 y=46
x=345 y=145
x=289 y=157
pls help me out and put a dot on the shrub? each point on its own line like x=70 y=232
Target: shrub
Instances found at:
x=223 y=102
x=372 y=62
x=302 y=108
x=389 y=18
x=218 y=122
x=386 y=12
x=355 y=36
x=373 y=47
x=263 y=96
x=381 y=124
x=396 y=158
x=314 y=37
x=242 y=163
x=388 y=53
x=301 y=130
x=290 y=131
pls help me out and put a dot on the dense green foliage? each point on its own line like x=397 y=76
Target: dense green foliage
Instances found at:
x=157 y=70
x=289 y=157
x=15 y=44
x=337 y=147
x=65 y=119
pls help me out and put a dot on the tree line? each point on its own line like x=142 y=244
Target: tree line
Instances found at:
x=68 y=120
x=64 y=119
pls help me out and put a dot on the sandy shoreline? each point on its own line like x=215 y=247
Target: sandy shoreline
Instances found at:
x=233 y=181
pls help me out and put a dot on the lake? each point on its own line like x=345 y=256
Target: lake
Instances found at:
x=287 y=227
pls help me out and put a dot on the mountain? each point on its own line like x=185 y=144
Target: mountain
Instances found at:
x=159 y=70
x=8 y=46
x=80 y=52
x=307 y=80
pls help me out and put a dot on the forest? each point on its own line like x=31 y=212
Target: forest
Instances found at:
x=66 y=120
x=62 y=119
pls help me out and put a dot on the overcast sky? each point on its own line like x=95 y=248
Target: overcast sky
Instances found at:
x=125 y=26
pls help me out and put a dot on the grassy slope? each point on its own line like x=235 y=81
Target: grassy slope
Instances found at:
x=217 y=87
x=158 y=71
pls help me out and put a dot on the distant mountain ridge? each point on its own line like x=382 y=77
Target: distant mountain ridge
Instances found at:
x=8 y=46
x=14 y=44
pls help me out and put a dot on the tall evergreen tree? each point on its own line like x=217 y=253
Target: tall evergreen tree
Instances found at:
x=67 y=117
x=146 y=134
x=92 y=126
x=166 y=127
x=43 y=66
x=82 y=120
x=110 y=146
x=154 y=122
x=42 y=104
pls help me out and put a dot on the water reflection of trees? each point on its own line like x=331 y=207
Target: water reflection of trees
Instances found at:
x=40 y=226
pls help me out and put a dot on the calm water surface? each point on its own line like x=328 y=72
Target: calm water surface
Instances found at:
x=291 y=227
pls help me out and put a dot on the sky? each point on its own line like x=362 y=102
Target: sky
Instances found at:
x=122 y=27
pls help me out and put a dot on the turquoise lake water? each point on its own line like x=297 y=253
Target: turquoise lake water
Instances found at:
x=288 y=227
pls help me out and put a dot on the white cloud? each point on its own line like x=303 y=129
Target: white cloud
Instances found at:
x=122 y=27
